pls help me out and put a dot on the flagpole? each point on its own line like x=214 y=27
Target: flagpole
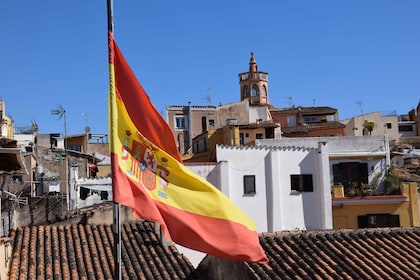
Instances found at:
x=115 y=205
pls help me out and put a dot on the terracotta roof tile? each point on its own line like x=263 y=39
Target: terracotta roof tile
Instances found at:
x=389 y=253
x=86 y=252
x=261 y=124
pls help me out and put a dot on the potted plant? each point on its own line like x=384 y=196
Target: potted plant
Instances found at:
x=352 y=189
x=392 y=183
x=369 y=126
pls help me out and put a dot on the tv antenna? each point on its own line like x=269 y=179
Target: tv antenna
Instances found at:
x=290 y=101
x=360 y=103
x=208 y=96
x=60 y=111
x=34 y=126
x=87 y=128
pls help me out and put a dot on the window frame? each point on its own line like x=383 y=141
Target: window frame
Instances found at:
x=291 y=121
x=185 y=122
x=264 y=90
x=405 y=128
x=255 y=90
x=245 y=91
x=379 y=220
x=249 y=190
x=16 y=180
x=311 y=119
x=301 y=183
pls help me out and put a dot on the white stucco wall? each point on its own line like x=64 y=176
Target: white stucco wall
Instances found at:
x=275 y=207
x=246 y=161
x=369 y=144
x=24 y=139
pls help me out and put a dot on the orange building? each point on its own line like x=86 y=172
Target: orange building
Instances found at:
x=308 y=121
x=376 y=211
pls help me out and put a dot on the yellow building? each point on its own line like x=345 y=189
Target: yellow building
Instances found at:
x=376 y=211
x=203 y=146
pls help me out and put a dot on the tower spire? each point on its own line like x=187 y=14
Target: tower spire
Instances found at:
x=254 y=84
x=253 y=67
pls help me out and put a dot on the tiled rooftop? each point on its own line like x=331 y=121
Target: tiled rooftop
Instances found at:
x=86 y=252
x=261 y=124
x=346 y=254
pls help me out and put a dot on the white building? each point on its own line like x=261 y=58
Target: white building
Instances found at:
x=285 y=184
x=357 y=159
x=280 y=188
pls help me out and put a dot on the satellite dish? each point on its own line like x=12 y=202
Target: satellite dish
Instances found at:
x=87 y=129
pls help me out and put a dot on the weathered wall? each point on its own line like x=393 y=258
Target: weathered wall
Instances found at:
x=5 y=254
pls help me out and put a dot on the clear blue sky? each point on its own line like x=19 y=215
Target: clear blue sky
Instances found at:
x=341 y=54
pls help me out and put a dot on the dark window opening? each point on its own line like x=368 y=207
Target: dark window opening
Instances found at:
x=203 y=124
x=302 y=183
x=16 y=180
x=249 y=184
x=269 y=133
x=405 y=128
x=77 y=148
x=378 y=220
x=245 y=91
x=350 y=175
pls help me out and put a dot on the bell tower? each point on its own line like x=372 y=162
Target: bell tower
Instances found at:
x=254 y=84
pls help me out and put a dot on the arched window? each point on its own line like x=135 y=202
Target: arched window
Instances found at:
x=245 y=91
x=264 y=89
x=254 y=90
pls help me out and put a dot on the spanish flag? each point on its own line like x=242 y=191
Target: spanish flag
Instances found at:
x=148 y=176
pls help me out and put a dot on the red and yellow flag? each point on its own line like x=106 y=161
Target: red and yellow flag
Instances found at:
x=148 y=176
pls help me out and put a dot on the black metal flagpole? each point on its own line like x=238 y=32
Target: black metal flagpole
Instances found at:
x=116 y=206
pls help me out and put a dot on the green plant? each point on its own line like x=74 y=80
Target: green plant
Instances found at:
x=369 y=126
x=392 y=183
x=367 y=189
x=353 y=189
x=351 y=192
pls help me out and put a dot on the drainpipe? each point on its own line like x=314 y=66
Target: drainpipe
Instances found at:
x=387 y=157
x=190 y=125
x=2 y=184
x=40 y=179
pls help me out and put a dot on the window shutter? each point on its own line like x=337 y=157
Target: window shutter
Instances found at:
x=362 y=221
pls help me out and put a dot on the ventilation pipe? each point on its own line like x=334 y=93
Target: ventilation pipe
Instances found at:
x=190 y=125
x=40 y=179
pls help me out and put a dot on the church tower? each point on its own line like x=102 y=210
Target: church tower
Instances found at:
x=254 y=84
